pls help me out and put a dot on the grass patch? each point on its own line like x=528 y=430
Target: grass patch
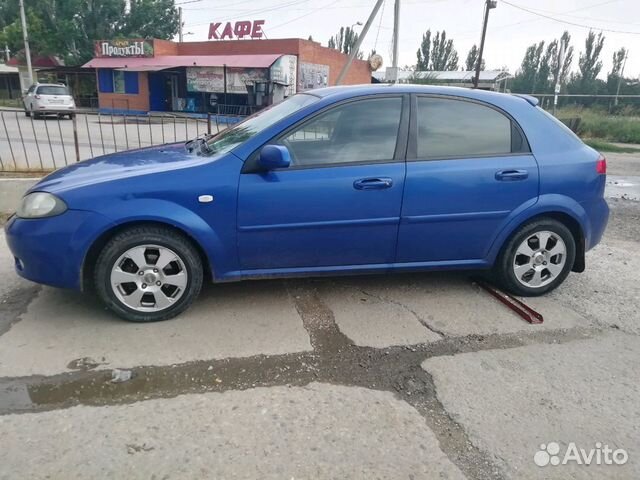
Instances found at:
x=604 y=146
x=599 y=124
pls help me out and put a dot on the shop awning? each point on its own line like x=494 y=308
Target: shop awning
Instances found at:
x=164 y=62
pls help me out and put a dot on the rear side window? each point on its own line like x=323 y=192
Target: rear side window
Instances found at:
x=52 y=90
x=448 y=128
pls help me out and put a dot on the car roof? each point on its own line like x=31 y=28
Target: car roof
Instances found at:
x=50 y=85
x=346 y=91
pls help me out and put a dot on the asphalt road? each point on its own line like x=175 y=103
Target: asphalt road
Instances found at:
x=28 y=144
x=403 y=376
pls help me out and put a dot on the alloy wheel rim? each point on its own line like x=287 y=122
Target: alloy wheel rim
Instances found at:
x=539 y=259
x=149 y=278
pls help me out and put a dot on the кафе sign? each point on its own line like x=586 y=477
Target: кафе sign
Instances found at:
x=239 y=30
x=124 y=48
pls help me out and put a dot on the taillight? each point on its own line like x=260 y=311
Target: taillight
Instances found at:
x=38 y=97
x=601 y=165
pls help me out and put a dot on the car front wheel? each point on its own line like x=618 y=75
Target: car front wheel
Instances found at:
x=537 y=259
x=148 y=274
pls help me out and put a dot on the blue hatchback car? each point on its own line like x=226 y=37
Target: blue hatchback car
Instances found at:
x=342 y=180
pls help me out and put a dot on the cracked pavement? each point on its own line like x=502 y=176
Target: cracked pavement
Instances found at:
x=404 y=376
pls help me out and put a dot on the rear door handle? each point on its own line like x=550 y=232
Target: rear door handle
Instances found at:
x=511 y=175
x=373 y=183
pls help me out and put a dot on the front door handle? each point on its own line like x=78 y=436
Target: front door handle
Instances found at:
x=511 y=175
x=373 y=183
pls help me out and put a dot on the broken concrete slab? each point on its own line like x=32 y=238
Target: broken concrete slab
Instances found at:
x=608 y=290
x=318 y=431
x=416 y=308
x=516 y=400
x=370 y=320
x=236 y=320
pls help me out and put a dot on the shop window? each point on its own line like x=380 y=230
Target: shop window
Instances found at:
x=117 y=81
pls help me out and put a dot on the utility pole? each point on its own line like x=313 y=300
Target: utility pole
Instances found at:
x=179 y=24
x=7 y=53
x=356 y=47
x=396 y=34
x=556 y=89
x=626 y=54
x=25 y=36
x=488 y=5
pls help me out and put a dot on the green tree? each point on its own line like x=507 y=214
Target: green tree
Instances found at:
x=616 y=70
x=526 y=77
x=589 y=62
x=69 y=28
x=345 y=41
x=472 y=59
x=443 y=54
x=424 y=52
x=567 y=60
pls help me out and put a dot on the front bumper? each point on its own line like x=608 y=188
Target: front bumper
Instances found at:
x=51 y=250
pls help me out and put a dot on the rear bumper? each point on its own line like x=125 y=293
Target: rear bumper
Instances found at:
x=598 y=213
x=51 y=250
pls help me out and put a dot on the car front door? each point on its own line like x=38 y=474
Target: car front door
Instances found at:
x=468 y=167
x=338 y=203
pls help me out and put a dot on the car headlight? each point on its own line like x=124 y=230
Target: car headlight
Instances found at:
x=40 y=205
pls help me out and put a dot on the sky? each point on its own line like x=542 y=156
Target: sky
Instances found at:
x=511 y=29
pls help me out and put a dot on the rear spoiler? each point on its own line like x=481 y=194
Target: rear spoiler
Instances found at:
x=532 y=100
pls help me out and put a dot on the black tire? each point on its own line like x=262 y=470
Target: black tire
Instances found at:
x=27 y=113
x=145 y=235
x=504 y=273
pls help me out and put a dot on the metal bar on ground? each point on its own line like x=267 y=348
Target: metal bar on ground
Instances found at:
x=162 y=127
x=150 y=131
x=101 y=135
x=522 y=309
x=208 y=123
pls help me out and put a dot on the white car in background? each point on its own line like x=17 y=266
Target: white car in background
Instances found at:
x=43 y=98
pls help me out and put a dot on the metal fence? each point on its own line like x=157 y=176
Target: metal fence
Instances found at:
x=42 y=144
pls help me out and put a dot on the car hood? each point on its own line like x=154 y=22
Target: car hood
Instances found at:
x=119 y=165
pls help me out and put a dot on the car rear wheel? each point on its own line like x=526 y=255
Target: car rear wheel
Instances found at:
x=148 y=274
x=537 y=259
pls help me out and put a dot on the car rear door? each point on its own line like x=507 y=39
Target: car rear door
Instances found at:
x=338 y=204
x=468 y=168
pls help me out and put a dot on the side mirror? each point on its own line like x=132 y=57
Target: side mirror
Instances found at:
x=274 y=156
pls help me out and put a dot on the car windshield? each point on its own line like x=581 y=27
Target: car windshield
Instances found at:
x=231 y=137
x=53 y=90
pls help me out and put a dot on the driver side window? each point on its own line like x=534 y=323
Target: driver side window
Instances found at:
x=360 y=131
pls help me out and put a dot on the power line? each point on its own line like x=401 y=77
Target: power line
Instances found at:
x=302 y=16
x=590 y=27
x=257 y=11
x=379 y=25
